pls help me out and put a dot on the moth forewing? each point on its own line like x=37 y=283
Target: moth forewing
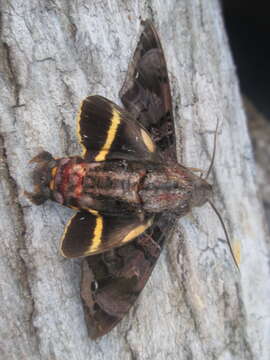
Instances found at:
x=90 y=232
x=106 y=131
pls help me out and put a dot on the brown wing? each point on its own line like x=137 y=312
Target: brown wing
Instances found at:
x=146 y=91
x=111 y=282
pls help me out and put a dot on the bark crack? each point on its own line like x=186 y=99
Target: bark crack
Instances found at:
x=182 y=284
x=12 y=74
x=133 y=353
x=20 y=231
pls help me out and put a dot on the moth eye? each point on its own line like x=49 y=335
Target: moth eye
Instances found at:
x=94 y=286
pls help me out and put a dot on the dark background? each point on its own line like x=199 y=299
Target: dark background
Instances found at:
x=248 y=28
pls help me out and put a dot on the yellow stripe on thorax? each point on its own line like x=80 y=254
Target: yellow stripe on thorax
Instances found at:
x=115 y=121
x=97 y=236
x=53 y=173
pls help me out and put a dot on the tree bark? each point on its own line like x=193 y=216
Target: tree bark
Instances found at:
x=196 y=304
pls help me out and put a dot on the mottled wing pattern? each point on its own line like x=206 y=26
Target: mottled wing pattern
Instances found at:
x=146 y=91
x=112 y=281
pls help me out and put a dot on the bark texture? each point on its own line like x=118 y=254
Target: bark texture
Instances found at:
x=196 y=305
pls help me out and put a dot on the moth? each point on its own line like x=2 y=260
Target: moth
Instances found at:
x=127 y=187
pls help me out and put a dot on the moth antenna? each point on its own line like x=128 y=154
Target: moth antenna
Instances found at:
x=214 y=153
x=225 y=232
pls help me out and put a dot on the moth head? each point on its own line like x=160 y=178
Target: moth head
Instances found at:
x=202 y=191
x=42 y=176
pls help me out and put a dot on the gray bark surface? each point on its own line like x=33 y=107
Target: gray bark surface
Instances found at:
x=195 y=305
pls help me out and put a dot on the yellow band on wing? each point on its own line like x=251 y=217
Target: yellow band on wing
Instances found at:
x=137 y=231
x=97 y=236
x=115 y=121
x=148 y=141
x=63 y=236
x=96 y=241
x=84 y=149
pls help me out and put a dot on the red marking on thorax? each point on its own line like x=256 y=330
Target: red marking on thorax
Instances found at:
x=72 y=175
x=80 y=172
x=64 y=178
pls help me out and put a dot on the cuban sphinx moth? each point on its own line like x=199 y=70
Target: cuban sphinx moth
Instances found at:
x=127 y=187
